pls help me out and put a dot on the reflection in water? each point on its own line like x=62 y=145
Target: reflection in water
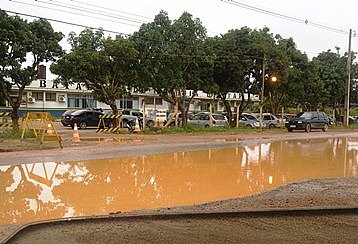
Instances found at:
x=63 y=189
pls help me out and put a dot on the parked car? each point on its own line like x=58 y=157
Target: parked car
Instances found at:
x=351 y=119
x=85 y=118
x=155 y=117
x=65 y=117
x=132 y=113
x=284 y=118
x=247 y=120
x=307 y=121
x=269 y=120
x=203 y=119
x=172 y=118
x=129 y=117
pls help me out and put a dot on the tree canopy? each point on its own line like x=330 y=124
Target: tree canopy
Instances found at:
x=23 y=46
x=105 y=65
x=173 y=58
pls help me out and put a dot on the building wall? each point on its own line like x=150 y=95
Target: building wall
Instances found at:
x=45 y=95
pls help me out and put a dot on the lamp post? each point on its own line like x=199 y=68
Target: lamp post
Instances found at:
x=273 y=79
x=262 y=90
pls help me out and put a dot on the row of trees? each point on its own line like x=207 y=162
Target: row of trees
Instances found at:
x=174 y=56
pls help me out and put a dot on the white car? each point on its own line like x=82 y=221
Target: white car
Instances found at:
x=270 y=120
x=203 y=119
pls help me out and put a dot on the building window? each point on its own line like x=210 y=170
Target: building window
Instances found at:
x=205 y=106
x=159 y=101
x=150 y=100
x=50 y=96
x=39 y=96
x=73 y=102
x=127 y=104
x=81 y=101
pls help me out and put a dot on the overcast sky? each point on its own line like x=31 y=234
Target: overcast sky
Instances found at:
x=216 y=15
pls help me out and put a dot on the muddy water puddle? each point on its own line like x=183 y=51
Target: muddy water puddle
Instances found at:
x=48 y=190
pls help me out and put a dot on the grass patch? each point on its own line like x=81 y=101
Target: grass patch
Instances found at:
x=11 y=134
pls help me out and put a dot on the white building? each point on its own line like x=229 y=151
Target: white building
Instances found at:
x=45 y=95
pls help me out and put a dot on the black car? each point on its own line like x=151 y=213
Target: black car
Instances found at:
x=307 y=121
x=85 y=118
x=65 y=117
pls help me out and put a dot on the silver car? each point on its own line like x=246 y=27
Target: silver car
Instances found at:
x=270 y=120
x=203 y=119
x=248 y=120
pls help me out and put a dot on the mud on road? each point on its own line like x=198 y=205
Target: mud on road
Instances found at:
x=327 y=226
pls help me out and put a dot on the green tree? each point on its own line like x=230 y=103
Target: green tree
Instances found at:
x=239 y=56
x=289 y=66
x=23 y=46
x=173 y=59
x=333 y=74
x=105 y=65
x=232 y=66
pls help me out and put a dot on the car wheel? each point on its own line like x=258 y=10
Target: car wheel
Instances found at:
x=271 y=126
x=290 y=130
x=308 y=128
x=83 y=125
x=111 y=124
x=207 y=126
x=249 y=126
x=325 y=127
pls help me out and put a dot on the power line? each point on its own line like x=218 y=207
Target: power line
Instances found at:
x=101 y=7
x=69 y=12
x=248 y=57
x=79 y=14
x=92 y=11
x=283 y=16
x=64 y=22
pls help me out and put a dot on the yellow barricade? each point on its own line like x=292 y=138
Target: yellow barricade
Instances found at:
x=42 y=125
x=109 y=123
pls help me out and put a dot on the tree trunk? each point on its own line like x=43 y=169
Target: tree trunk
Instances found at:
x=15 y=118
x=229 y=112
x=114 y=108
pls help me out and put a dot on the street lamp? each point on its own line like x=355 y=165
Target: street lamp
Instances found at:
x=272 y=79
x=262 y=90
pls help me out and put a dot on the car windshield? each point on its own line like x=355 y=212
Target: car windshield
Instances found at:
x=67 y=112
x=77 y=112
x=304 y=115
x=218 y=117
x=249 y=116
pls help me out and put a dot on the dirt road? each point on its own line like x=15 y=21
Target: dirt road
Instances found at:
x=199 y=224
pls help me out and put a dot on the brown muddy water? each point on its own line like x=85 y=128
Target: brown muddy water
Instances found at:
x=48 y=190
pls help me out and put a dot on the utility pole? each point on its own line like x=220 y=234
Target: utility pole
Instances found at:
x=262 y=89
x=348 y=83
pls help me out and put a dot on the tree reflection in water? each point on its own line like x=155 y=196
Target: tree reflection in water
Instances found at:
x=62 y=189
